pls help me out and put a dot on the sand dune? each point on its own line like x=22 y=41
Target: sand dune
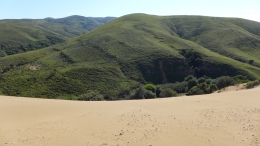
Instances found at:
x=224 y=119
x=233 y=88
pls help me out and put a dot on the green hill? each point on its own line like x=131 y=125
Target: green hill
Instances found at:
x=23 y=35
x=135 y=49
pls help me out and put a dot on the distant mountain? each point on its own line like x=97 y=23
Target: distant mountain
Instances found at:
x=23 y=35
x=132 y=50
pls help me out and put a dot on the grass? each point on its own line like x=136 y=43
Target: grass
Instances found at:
x=132 y=50
x=252 y=84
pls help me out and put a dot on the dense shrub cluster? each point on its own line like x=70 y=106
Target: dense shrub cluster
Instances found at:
x=168 y=93
x=179 y=87
x=10 y=50
x=202 y=85
x=150 y=91
x=224 y=81
x=240 y=79
x=191 y=86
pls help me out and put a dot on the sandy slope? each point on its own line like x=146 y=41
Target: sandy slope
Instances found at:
x=233 y=88
x=224 y=119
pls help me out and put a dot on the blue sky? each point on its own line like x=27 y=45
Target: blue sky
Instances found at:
x=37 y=9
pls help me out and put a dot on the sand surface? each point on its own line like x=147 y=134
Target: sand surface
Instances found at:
x=232 y=88
x=223 y=119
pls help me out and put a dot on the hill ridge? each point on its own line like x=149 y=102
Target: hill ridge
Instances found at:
x=133 y=50
x=21 y=35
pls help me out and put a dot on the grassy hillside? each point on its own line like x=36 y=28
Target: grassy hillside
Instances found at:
x=135 y=49
x=235 y=38
x=18 y=36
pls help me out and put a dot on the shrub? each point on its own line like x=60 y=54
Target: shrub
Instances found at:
x=168 y=93
x=209 y=81
x=188 y=78
x=179 y=87
x=224 y=81
x=192 y=83
x=2 y=53
x=213 y=87
x=158 y=90
x=195 y=90
x=137 y=94
x=240 y=79
x=141 y=93
x=201 y=80
x=149 y=94
x=251 y=61
x=91 y=96
x=252 y=84
x=203 y=86
x=150 y=87
x=206 y=88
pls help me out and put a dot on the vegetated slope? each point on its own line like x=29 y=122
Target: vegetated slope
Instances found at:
x=23 y=35
x=235 y=38
x=130 y=50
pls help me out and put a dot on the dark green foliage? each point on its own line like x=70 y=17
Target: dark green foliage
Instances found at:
x=195 y=90
x=48 y=41
x=158 y=91
x=2 y=53
x=168 y=93
x=150 y=87
x=240 y=79
x=179 y=87
x=137 y=93
x=252 y=84
x=209 y=88
x=224 y=81
x=213 y=87
x=91 y=96
x=66 y=58
x=191 y=83
x=188 y=78
x=251 y=61
x=149 y=94
x=141 y=93
x=202 y=85
x=193 y=58
x=202 y=80
x=208 y=81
